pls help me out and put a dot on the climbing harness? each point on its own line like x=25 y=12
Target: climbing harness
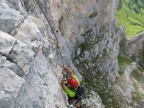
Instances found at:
x=80 y=91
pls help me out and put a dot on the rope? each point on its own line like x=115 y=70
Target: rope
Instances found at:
x=51 y=29
x=64 y=72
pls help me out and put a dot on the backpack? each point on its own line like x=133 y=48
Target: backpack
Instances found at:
x=79 y=93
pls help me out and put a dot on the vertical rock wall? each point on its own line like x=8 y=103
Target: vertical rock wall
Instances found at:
x=134 y=48
x=90 y=27
x=28 y=77
x=92 y=38
x=30 y=65
x=86 y=33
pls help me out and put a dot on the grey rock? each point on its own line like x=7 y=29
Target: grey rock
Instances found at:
x=94 y=101
x=9 y=18
x=16 y=4
x=89 y=41
x=28 y=31
x=6 y=43
x=43 y=87
x=37 y=21
x=5 y=102
x=14 y=67
x=21 y=54
x=125 y=85
x=133 y=48
x=10 y=85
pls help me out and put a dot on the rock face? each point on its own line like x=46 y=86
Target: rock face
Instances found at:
x=10 y=86
x=41 y=88
x=27 y=77
x=94 y=101
x=88 y=38
x=9 y=18
x=6 y=43
x=129 y=85
x=134 y=49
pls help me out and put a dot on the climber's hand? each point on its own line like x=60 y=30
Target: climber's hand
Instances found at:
x=62 y=82
x=69 y=70
x=65 y=66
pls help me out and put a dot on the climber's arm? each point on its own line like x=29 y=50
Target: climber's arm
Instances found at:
x=67 y=90
x=69 y=70
x=63 y=85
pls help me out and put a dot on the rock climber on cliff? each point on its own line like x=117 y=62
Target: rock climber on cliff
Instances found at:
x=71 y=87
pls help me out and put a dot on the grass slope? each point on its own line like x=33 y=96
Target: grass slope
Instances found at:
x=130 y=13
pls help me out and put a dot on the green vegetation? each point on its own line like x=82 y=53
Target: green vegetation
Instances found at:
x=130 y=13
x=123 y=60
x=141 y=69
x=95 y=79
x=98 y=81
x=137 y=74
x=109 y=99
x=137 y=96
x=84 y=46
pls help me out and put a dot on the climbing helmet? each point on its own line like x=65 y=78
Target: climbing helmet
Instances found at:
x=72 y=82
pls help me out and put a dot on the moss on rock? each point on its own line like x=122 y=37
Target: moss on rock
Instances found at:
x=137 y=74
x=123 y=60
x=101 y=87
x=136 y=95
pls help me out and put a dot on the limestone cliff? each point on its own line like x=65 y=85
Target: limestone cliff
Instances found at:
x=89 y=40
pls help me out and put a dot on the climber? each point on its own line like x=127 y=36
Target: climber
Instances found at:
x=70 y=87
